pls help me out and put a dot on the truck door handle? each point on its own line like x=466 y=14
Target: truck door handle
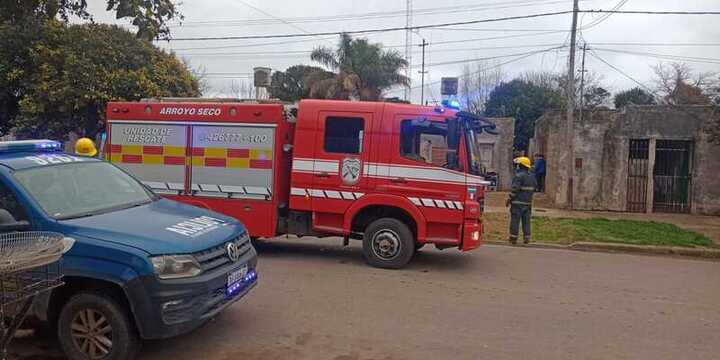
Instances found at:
x=323 y=175
x=398 y=180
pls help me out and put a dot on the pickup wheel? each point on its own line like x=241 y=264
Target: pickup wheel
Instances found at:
x=388 y=243
x=93 y=326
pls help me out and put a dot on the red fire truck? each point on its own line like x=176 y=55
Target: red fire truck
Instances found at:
x=396 y=176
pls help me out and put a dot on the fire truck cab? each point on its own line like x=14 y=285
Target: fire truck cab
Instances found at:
x=396 y=176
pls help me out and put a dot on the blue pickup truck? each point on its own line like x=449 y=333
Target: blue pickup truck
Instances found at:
x=142 y=267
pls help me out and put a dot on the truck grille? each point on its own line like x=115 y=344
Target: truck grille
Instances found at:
x=217 y=257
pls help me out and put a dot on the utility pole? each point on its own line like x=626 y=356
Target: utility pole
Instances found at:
x=408 y=44
x=582 y=83
x=570 y=115
x=423 y=72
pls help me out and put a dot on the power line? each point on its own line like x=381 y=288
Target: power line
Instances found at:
x=274 y=17
x=294 y=41
x=500 y=30
x=641 y=12
x=384 y=46
x=595 y=55
x=493 y=57
x=605 y=16
x=374 y=15
x=654 y=44
x=307 y=52
x=664 y=56
x=519 y=58
x=378 y=30
x=418 y=27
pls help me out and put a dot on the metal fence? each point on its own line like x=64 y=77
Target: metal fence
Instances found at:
x=638 y=175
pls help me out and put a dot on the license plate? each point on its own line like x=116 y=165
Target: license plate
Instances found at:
x=236 y=276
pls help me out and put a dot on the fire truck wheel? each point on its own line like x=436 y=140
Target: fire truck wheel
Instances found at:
x=388 y=244
x=94 y=326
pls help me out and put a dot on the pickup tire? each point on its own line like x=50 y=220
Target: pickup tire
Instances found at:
x=93 y=326
x=388 y=243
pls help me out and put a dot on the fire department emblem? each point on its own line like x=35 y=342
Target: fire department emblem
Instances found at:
x=350 y=171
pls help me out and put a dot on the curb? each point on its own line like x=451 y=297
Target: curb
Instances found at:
x=703 y=253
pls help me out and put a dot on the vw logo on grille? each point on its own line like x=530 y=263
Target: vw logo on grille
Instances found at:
x=233 y=251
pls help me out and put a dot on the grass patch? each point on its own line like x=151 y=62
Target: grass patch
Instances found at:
x=566 y=231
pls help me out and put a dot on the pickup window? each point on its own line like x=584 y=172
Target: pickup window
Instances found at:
x=82 y=189
x=9 y=203
x=344 y=135
x=424 y=141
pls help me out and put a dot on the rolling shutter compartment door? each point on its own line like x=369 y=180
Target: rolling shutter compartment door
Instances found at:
x=233 y=161
x=154 y=153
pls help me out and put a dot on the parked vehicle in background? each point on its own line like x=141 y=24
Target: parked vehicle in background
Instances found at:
x=397 y=176
x=142 y=267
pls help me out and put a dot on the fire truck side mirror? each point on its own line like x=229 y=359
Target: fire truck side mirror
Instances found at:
x=453 y=142
x=453 y=133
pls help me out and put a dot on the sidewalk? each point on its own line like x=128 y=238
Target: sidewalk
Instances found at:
x=706 y=225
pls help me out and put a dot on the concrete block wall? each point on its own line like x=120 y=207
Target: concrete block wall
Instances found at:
x=602 y=148
x=502 y=150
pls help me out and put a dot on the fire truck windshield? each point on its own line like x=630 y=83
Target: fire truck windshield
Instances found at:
x=473 y=151
x=81 y=189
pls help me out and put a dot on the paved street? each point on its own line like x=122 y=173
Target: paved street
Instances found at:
x=318 y=300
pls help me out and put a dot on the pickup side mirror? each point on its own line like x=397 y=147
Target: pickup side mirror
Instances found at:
x=8 y=223
x=16 y=226
x=453 y=133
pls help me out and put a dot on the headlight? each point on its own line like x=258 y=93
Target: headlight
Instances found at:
x=175 y=266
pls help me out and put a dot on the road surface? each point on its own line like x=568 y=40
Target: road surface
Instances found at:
x=318 y=300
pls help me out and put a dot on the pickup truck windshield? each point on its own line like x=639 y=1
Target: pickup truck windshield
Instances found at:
x=82 y=189
x=474 y=152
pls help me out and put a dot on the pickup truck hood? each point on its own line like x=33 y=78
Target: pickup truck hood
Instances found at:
x=161 y=227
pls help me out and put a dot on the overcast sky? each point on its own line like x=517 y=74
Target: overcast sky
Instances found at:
x=233 y=60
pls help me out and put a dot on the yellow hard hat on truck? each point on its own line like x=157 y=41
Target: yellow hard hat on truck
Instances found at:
x=85 y=147
x=524 y=161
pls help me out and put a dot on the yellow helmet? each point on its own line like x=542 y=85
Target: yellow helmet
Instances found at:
x=524 y=161
x=85 y=147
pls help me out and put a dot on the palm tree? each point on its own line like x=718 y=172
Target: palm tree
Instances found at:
x=363 y=70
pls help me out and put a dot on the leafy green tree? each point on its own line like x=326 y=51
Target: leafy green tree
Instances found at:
x=634 y=96
x=292 y=84
x=526 y=102
x=14 y=66
x=363 y=70
x=150 y=16
x=73 y=71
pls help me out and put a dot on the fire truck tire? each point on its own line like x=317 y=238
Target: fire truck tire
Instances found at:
x=92 y=325
x=388 y=244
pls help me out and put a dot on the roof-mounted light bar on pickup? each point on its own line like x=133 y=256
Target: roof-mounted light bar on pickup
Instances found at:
x=29 y=146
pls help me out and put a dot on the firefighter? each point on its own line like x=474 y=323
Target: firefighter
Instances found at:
x=85 y=147
x=520 y=200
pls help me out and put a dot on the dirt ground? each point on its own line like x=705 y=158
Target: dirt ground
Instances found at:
x=498 y=217
x=317 y=300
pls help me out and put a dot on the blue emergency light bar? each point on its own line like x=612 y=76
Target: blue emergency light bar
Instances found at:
x=451 y=104
x=29 y=146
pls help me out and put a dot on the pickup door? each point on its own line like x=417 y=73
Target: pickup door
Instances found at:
x=342 y=150
x=415 y=166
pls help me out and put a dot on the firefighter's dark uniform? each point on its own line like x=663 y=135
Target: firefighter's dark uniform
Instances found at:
x=523 y=188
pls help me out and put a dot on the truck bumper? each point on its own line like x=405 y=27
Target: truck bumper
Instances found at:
x=472 y=235
x=167 y=308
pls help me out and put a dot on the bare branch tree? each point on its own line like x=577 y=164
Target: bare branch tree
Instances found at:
x=242 y=89
x=592 y=94
x=543 y=79
x=200 y=74
x=477 y=82
x=678 y=84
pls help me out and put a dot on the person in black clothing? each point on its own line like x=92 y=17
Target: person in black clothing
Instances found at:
x=520 y=200
x=539 y=170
